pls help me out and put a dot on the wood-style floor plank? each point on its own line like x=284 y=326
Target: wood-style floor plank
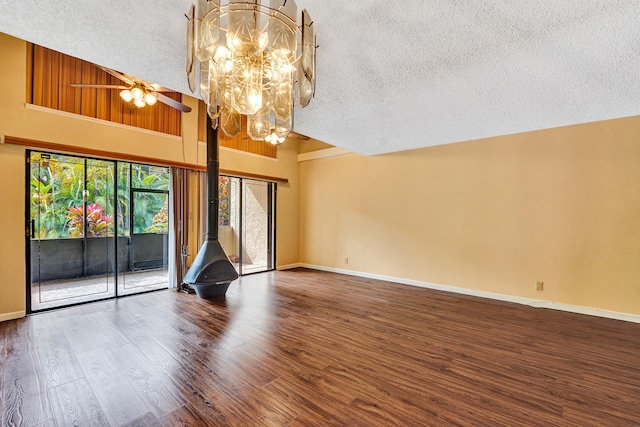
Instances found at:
x=188 y=416
x=302 y=347
x=120 y=401
x=24 y=391
x=156 y=390
x=74 y=404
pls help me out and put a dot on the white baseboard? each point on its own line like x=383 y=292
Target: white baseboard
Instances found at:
x=12 y=316
x=288 y=266
x=627 y=317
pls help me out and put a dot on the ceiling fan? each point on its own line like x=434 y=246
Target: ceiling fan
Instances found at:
x=139 y=91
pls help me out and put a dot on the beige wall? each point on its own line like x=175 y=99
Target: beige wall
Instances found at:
x=20 y=120
x=312 y=145
x=560 y=206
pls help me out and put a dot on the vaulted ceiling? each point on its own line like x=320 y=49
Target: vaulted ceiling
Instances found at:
x=393 y=76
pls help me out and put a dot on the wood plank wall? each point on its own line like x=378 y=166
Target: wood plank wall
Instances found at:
x=241 y=142
x=49 y=79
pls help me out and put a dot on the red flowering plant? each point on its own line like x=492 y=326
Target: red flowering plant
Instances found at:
x=98 y=224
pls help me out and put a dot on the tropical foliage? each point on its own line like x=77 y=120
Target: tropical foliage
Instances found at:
x=223 y=197
x=64 y=188
x=98 y=224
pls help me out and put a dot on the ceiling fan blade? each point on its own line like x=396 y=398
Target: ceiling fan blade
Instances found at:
x=99 y=86
x=116 y=74
x=159 y=88
x=173 y=103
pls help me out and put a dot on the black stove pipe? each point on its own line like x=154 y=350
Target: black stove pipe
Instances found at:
x=213 y=173
x=211 y=272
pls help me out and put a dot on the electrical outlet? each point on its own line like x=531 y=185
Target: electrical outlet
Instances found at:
x=539 y=286
x=346 y=260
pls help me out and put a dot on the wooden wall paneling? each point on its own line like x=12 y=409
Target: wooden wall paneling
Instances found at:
x=141 y=116
x=177 y=128
x=135 y=116
x=29 y=92
x=244 y=136
x=166 y=121
x=77 y=92
x=49 y=78
x=103 y=96
x=126 y=114
x=157 y=119
x=54 y=82
x=224 y=140
x=67 y=92
x=36 y=75
x=202 y=121
x=46 y=79
x=138 y=115
x=146 y=115
x=241 y=142
x=152 y=120
x=133 y=113
x=179 y=117
x=116 y=104
x=171 y=120
x=165 y=118
x=88 y=106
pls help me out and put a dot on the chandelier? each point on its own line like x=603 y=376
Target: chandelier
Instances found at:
x=251 y=58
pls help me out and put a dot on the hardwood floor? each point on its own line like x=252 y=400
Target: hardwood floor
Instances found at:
x=309 y=348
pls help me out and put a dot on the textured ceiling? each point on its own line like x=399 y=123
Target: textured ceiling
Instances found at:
x=391 y=79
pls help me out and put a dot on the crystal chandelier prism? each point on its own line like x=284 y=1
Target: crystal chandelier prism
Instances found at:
x=252 y=59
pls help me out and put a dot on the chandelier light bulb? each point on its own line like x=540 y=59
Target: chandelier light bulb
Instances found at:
x=274 y=139
x=221 y=52
x=255 y=100
x=139 y=102
x=264 y=40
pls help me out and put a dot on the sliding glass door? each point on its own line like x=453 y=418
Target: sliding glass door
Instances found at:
x=72 y=245
x=144 y=228
x=246 y=223
x=257 y=226
x=98 y=229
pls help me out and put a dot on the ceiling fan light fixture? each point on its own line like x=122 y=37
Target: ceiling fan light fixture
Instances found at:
x=137 y=93
x=143 y=92
x=250 y=55
x=126 y=95
x=150 y=98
